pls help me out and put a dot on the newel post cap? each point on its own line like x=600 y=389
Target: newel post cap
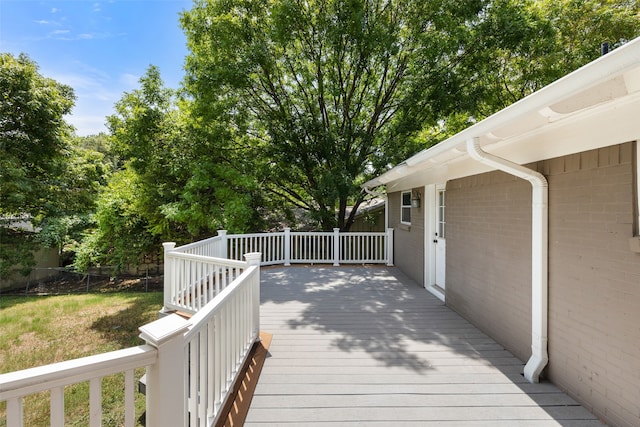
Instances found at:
x=253 y=258
x=162 y=330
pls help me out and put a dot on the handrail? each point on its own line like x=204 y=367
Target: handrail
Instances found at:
x=40 y=378
x=199 y=243
x=208 y=259
x=205 y=353
x=191 y=281
x=54 y=377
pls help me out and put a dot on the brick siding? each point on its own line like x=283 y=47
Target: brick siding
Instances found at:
x=594 y=282
x=594 y=279
x=489 y=256
x=408 y=239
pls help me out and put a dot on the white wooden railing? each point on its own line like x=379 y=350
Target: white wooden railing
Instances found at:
x=14 y=386
x=195 y=273
x=202 y=357
x=192 y=364
x=191 y=281
x=294 y=247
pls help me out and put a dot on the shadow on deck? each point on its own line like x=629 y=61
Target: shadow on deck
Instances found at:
x=368 y=346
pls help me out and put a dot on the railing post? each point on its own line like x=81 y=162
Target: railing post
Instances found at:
x=287 y=247
x=253 y=259
x=167 y=378
x=336 y=247
x=168 y=274
x=389 y=247
x=224 y=245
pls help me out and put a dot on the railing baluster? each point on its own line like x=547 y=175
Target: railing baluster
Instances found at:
x=95 y=402
x=129 y=399
x=56 y=405
x=192 y=380
x=217 y=367
x=14 y=412
x=202 y=400
x=211 y=366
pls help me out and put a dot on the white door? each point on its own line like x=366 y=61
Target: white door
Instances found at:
x=440 y=238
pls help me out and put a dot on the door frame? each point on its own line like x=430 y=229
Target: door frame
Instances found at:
x=430 y=222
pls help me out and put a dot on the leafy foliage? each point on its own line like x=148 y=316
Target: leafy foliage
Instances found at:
x=523 y=45
x=33 y=136
x=324 y=94
x=34 y=146
x=121 y=236
x=286 y=105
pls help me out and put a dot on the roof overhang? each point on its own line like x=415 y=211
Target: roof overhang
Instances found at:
x=595 y=106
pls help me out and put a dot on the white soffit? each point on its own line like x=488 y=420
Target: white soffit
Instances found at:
x=596 y=105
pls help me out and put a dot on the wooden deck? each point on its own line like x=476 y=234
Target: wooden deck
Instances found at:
x=368 y=346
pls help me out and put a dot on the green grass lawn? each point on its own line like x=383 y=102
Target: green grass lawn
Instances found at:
x=36 y=331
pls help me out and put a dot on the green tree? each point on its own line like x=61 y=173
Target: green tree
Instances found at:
x=323 y=95
x=121 y=236
x=34 y=138
x=87 y=172
x=524 y=45
x=144 y=133
x=34 y=148
x=191 y=184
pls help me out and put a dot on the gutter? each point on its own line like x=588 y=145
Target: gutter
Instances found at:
x=616 y=63
x=539 y=253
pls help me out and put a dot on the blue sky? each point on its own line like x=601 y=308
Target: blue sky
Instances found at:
x=100 y=48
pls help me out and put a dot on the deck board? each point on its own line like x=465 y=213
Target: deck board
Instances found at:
x=368 y=346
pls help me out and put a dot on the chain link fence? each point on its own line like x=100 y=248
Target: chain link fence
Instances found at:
x=66 y=280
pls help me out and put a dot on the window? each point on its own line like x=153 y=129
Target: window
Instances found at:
x=441 y=217
x=405 y=208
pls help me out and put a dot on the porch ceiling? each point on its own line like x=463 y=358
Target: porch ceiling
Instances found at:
x=368 y=346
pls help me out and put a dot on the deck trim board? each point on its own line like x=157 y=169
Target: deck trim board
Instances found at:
x=428 y=423
x=368 y=346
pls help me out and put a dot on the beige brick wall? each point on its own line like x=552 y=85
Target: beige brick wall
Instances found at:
x=594 y=279
x=408 y=240
x=489 y=256
x=594 y=282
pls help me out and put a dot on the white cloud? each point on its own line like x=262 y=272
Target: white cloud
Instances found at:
x=54 y=10
x=129 y=80
x=87 y=124
x=96 y=93
x=42 y=22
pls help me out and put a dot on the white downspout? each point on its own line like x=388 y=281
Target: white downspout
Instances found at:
x=539 y=254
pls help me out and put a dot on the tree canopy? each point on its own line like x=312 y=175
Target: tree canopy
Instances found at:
x=286 y=105
x=34 y=138
x=34 y=148
x=323 y=95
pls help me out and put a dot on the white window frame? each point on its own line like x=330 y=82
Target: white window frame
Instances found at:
x=441 y=206
x=405 y=207
x=637 y=184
